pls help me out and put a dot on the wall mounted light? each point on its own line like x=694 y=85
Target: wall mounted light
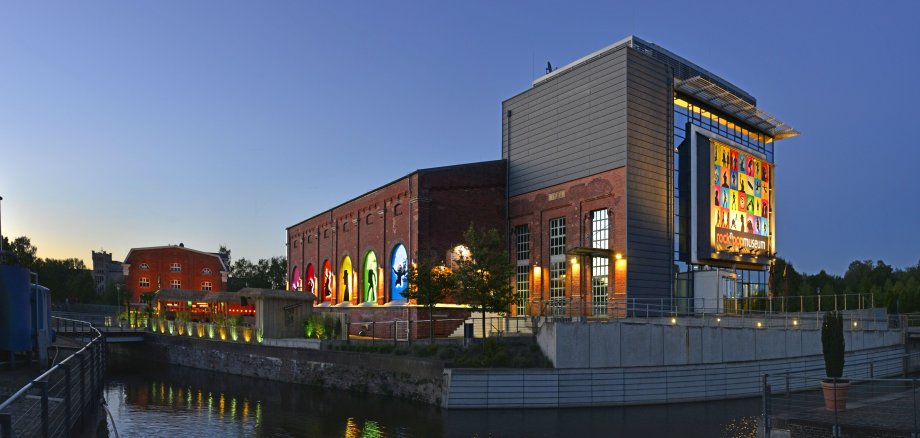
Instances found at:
x=618 y=256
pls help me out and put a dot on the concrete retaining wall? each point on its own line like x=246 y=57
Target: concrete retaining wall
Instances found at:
x=641 y=344
x=572 y=387
x=403 y=377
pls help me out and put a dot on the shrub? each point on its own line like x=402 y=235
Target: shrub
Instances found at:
x=833 y=344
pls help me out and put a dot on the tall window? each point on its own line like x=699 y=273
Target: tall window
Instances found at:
x=145 y=282
x=522 y=277
x=600 y=266
x=175 y=267
x=557 y=265
x=175 y=284
x=206 y=286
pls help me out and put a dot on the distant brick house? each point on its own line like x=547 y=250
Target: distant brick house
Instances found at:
x=173 y=267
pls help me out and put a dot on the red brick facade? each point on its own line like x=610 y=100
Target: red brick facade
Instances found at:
x=426 y=211
x=154 y=265
x=574 y=200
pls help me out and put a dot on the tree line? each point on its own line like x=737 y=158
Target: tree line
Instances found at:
x=69 y=279
x=896 y=289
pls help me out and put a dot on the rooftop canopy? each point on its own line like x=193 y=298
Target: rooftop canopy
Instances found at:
x=719 y=98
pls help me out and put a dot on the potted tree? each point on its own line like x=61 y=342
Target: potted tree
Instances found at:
x=832 y=343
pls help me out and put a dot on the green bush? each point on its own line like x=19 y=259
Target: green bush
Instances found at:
x=322 y=326
x=833 y=344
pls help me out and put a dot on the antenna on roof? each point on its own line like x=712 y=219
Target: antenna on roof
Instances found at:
x=549 y=67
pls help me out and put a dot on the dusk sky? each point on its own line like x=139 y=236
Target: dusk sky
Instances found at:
x=131 y=124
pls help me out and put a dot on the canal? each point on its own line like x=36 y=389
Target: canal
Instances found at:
x=156 y=400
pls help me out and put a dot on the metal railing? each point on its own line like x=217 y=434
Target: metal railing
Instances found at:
x=395 y=331
x=864 y=406
x=54 y=403
x=571 y=307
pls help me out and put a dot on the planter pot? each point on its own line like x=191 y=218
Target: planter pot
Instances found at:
x=835 y=394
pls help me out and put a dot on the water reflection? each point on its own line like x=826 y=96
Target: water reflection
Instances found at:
x=182 y=402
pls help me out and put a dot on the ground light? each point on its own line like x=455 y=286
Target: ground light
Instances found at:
x=759 y=324
x=673 y=320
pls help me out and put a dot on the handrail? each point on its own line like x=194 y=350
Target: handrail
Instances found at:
x=53 y=380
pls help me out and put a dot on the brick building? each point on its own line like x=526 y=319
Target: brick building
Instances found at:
x=173 y=267
x=358 y=252
x=630 y=177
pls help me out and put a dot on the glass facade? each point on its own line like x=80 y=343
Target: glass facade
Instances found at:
x=600 y=266
x=750 y=282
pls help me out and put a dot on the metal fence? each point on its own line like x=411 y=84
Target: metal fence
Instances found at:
x=572 y=307
x=440 y=329
x=55 y=403
x=805 y=404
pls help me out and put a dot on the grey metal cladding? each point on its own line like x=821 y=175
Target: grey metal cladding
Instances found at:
x=649 y=245
x=567 y=128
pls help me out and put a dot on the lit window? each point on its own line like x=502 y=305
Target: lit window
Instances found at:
x=175 y=267
x=522 y=274
x=145 y=282
x=206 y=271
x=206 y=286
x=175 y=284
x=600 y=266
x=557 y=265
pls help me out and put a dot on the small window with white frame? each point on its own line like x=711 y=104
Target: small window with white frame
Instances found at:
x=175 y=267
x=206 y=286
x=175 y=284
x=206 y=271
x=144 y=282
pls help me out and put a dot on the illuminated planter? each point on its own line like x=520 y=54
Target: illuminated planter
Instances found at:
x=200 y=328
x=162 y=326
x=180 y=326
x=171 y=325
x=222 y=331
x=247 y=334
x=211 y=331
x=234 y=333
x=190 y=328
x=259 y=335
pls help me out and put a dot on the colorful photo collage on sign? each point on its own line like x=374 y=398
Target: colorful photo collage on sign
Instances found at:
x=741 y=191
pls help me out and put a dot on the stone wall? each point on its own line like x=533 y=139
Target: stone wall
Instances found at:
x=404 y=377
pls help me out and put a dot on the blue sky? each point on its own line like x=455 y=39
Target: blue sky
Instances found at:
x=128 y=124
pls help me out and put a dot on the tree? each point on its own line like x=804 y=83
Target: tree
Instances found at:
x=484 y=276
x=23 y=248
x=266 y=273
x=430 y=283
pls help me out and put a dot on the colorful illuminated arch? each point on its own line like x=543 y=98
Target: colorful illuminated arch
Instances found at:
x=295 y=279
x=346 y=280
x=399 y=272
x=328 y=280
x=371 y=277
x=310 y=280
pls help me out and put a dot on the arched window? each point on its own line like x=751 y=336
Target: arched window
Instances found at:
x=346 y=280
x=371 y=277
x=328 y=289
x=310 y=280
x=206 y=271
x=399 y=272
x=144 y=267
x=295 y=279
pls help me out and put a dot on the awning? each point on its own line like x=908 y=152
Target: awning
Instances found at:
x=591 y=252
x=726 y=102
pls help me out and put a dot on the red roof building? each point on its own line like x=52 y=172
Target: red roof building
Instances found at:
x=173 y=267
